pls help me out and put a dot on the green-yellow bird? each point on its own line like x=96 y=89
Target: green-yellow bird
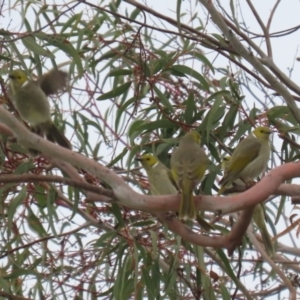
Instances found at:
x=188 y=165
x=249 y=159
x=258 y=213
x=158 y=175
x=161 y=181
x=29 y=97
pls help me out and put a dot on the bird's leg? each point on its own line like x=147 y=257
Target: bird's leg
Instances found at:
x=249 y=182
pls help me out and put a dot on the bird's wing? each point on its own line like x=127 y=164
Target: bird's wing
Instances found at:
x=53 y=82
x=170 y=175
x=244 y=154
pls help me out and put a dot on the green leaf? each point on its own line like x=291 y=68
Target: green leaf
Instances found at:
x=30 y=43
x=109 y=55
x=5 y=285
x=154 y=125
x=23 y=272
x=191 y=72
x=226 y=263
x=64 y=45
x=202 y=58
x=253 y=114
x=243 y=127
x=163 y=99
x=154 y=241
x=208 y=183
x=158 y=65
x=134 y=14
x=132 y=154
x=34 y=223
x=281 y=112
x=115 y=209
x=68 y=24
x=133 y=131
x=224 y=292
x=228 y=122
x=214 y=115
x=14 y=204
x=149 y=283
x=76 y=200
x=123 y=286
x=190 y=109
x=119 y=72
x=116 y=92
x=117 y=158
x=24 y=167
x=51 y=197
x=217 y=95
x=105 y=239
x=280 y=208
x=122 y=109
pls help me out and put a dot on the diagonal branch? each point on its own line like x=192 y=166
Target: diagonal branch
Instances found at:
x=256 y=63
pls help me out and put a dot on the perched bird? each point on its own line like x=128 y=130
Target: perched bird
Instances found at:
x=188 y=165
x=29 y=97
x=258 y=213
x=249 y=159
x=161 y=181
x=158 y=175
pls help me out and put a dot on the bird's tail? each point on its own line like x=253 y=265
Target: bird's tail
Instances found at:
x=187 y=205
x=267 y=241
x=221 y=190
x=56 y=136
x=38 y=131
x=259 y=219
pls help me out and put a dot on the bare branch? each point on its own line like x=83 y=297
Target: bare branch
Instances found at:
x=264 y=29
x=276 y=84
x=275 y=268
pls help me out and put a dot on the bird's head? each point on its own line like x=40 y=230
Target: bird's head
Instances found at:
x=17 y=77
x=192 y=135
x=262 y=133
x=147 y=160
x=225 y=162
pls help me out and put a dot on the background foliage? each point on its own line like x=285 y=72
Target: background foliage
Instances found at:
x=139 y=79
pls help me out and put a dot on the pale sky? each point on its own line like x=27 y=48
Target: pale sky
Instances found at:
x=285 y=49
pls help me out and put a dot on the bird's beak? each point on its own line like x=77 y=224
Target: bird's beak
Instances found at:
x=138 y=159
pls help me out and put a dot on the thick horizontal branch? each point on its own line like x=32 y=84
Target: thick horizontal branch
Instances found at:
x=128 y=197
x=160 y=204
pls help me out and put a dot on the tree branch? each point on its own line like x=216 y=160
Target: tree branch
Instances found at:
x=127 y=197
x=275 y=268
x=248 y=56
x=7 y=178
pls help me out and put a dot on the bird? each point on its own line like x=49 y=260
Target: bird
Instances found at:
x=249 y=159
x=158 y=175
x=29 y=98
x=258 y=214
x=188 y=165
x=161 y=181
